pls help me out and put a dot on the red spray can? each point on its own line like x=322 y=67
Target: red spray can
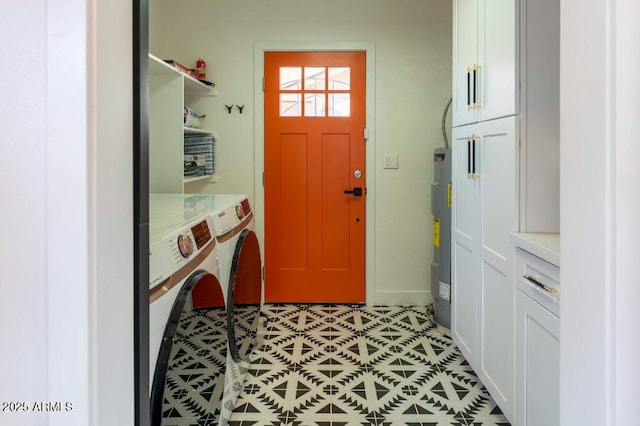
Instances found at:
x=201 y=67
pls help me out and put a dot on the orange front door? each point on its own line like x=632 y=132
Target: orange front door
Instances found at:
x=314 y=152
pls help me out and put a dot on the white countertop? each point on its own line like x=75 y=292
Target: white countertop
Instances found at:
x=544 y=245
x=171 y=212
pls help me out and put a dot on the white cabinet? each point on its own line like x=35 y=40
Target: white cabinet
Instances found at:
x=169 y=91
x=538 y=364
x=485 y=60
x=505 y=176
x=537 y=341
x=484 y=215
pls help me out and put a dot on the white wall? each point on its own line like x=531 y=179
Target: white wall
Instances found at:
x=66 y=307
x=23 y=254
x=627 y=342
x=110 y=191
x=600 y=207
x=413 y=83
x=585 y=194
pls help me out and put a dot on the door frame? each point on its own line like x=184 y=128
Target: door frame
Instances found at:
x=258 y=203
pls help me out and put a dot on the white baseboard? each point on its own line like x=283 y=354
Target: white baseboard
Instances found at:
x=409 y=298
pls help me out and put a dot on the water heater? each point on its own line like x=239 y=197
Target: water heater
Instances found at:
x=441 y=214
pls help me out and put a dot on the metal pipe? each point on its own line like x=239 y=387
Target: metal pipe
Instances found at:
x=444 y=116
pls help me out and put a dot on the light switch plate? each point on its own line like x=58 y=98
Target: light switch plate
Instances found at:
x=391 y=161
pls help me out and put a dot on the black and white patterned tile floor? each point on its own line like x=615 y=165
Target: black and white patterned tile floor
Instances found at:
x=355 y=365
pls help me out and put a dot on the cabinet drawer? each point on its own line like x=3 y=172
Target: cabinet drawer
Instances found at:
x=538 y=279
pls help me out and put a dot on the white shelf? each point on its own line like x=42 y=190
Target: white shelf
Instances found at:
x=169 y=90
x=193 y=130
x=194 y=87
x=159 y=67
x=191 y=85
x=212 y=178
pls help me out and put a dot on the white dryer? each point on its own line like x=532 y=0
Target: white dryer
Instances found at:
x=183 y=262
x=241 y=274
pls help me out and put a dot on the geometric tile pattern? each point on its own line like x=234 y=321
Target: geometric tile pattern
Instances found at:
x=359 y=365
x=196 y=371
x=203 y=381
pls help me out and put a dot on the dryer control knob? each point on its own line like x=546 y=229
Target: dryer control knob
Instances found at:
x=185 y=245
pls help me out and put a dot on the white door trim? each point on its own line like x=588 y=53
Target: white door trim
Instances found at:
x=258 y=203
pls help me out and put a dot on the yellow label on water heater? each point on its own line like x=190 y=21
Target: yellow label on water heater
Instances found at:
x=449 y=196
x=436 y=231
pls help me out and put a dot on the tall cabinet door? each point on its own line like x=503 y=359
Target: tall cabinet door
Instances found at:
x=538 y=349
x=484 y=216
x=498 y=76
x=485 y=60
x=465 y=244
x=465 y=56
x=497 y=178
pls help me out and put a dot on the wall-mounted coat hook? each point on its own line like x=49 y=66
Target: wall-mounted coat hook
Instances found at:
x=240 y=108
x=229 y=107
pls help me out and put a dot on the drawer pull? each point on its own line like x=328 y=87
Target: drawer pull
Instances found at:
x=533 y=280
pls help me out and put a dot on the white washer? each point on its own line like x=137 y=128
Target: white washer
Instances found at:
x=182 y=254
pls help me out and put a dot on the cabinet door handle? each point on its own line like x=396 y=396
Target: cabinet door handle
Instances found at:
x=469 y=158
x=533 y=280
x=475 y=85
x=468 y=88
x=476 y=92
x=473 y=161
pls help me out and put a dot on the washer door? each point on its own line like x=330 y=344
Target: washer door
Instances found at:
x=244 y=295
x=193 y=352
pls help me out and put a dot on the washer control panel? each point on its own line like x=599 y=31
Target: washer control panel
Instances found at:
x=231 y=216
x=172 y=251
x=201 y=234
